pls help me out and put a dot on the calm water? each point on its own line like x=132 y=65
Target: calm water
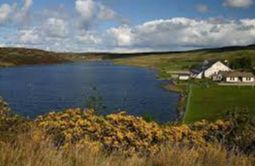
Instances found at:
x=34 y=90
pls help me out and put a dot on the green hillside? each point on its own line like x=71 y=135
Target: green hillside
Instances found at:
x=161 y=60
x=185 y=60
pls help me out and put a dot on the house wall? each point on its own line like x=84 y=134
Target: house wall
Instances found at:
x=184 y=77
x=217 y=77
x=199 y=76
x=215 y=69
x=248 y=79
x=232 y=79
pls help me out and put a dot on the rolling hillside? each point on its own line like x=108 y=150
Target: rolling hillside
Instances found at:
x=24 y=56
x=185 y=60
x=162 y=60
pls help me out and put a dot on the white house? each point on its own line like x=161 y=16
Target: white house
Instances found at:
x=239 y=77
x=209 y=69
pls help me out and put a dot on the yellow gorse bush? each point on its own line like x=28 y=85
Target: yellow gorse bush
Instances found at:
x=121 y=132
x=118 y=132
x=10 y=123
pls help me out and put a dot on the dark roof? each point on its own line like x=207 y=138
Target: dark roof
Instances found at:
x=238 y=74
x=224 y=73
x=196 y=71
x=184 y=74
x=179 y=72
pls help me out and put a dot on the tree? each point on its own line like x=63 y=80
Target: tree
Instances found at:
x=241 y=63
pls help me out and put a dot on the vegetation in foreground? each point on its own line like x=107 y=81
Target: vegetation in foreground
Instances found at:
x=77 y=137
x=214 y=99
x=26 y=152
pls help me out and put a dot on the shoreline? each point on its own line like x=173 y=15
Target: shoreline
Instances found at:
x=172 y=86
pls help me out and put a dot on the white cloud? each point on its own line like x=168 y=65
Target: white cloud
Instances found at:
x=14 y=13
x=27 y=4
x=52 y=31
x=92 y=11
x=202 y=8
x=22 y=15
x=185 y=33
x=238 y=3
x=5 y=11
x=123 y=35
x=89 y=38
x=106 y=13
x=59 y=32
x=156 y=35
x=87 y=9
x=55 y=27
x=30 y=36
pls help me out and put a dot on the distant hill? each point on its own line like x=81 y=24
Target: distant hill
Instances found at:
x=25 y=56
x=220 y=49
x=184 y=60
x=22 y=56
x=229 y=48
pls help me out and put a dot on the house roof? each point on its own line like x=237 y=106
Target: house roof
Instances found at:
x=196 y=71
x=184 y=74
x=205 y=65
x=178 y=72
x=238 y=74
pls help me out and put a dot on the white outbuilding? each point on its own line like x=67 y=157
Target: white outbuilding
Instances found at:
x=184 y=77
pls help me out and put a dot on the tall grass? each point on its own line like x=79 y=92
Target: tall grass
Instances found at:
x=25 y=152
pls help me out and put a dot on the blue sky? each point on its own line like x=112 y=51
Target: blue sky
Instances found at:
x=126 y=25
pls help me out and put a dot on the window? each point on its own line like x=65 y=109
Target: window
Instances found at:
x=248 y=78
x=232 y=78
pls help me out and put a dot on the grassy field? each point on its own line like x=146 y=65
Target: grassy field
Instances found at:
x=184 y=60
x=211 y=103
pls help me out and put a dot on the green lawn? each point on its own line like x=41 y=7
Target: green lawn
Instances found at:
x=211 y=103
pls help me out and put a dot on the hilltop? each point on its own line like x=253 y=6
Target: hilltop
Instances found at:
x=26 y=56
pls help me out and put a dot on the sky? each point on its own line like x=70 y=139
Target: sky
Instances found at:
x=126 y=25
